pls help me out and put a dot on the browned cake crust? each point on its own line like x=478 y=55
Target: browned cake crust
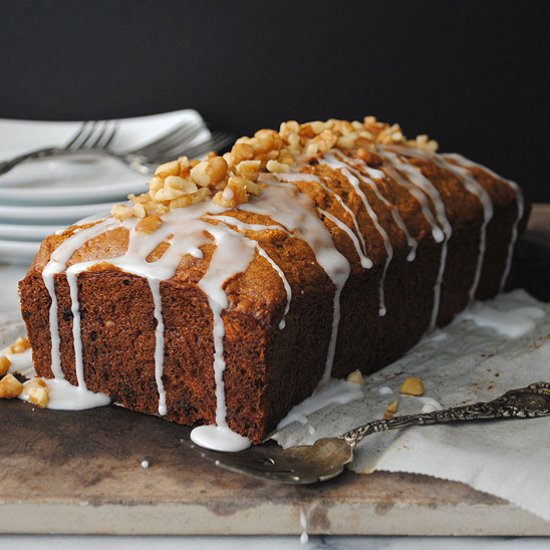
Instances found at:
x=270 y=370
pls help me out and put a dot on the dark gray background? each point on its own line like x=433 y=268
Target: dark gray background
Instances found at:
x=470 y=73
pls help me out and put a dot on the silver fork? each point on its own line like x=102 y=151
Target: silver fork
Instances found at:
x=144 y=159
x=217 y=142
x=92 y=135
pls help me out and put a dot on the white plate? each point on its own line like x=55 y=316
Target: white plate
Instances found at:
x=27 y=232
x=61 y=182
x=18 y=252
x=50 y=215
x=38 y=198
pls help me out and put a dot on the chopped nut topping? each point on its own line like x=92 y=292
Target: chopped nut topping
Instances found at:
x=5 y=364
x=249 y=169
x=37 y=392
x=356 y=377
x=235 y=192
x=183 y=182
x=424 y=143
x=391 y=410
x=122 y=212
x=168 y=169
x=275 y=166
x=10 y=387
x=138 y=210
x=20 y=345
x=412 y=386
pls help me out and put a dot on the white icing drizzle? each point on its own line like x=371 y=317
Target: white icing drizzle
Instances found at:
x=366 y=262
x=20 y=362
x=77 y=338
x=229 y=220
x=472 y=186
x=62 y=395
x=219 y=439
x=354 y=168
x=338 y=222
x=243 y=226
x=417 y=193
x=58 y=261
x=304 y=537
x=333 y=391
x=331 y=161
x=429 y=404
x=233 y=254
x=512 y=323
x=520 y=208
x=417 y=178
x=284 y=280
x=295 y=211
x=154 y=285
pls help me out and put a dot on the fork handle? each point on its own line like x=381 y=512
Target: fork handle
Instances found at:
x=8 y=165
x=135 y=161
x=528 y=402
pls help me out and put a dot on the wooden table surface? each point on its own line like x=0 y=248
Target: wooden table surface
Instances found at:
x=66 y=472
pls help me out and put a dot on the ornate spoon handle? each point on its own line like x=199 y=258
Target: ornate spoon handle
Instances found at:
x=532 y=401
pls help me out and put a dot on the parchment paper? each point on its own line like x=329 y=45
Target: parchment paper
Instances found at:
x=460 y=364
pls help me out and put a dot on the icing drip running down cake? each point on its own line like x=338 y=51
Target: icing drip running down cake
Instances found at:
x=234 y=287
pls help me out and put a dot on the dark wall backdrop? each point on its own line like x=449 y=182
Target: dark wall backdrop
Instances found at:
x=469 y=73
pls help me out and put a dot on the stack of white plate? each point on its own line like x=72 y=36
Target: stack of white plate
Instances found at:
x=41 y=197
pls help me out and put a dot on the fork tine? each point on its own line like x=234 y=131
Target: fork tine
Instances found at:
x=103 y=128
x=176 y=131
x=85 y=137
x=175 y=143
x=97 y=135
x=218 y=141
x=78 y=135
x=179 y=135
x=105 y=139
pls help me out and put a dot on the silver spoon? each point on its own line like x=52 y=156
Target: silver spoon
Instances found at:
x=326 y=458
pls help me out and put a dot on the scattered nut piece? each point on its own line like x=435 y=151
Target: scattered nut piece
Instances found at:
x=391 y=410
x=412 y=386
x=10 y=387
x=356 y=377
x=38 y=396
x=149 y=224
x=5 y=364
x=20 y=345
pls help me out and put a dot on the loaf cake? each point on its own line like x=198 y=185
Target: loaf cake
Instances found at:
x=226 y=294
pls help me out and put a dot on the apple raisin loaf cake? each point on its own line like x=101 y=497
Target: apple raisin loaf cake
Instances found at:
x=226 y=294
